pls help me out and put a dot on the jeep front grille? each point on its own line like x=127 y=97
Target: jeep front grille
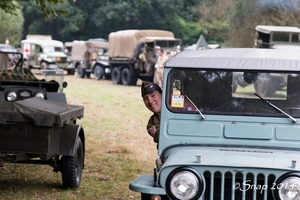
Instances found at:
x=238 y=185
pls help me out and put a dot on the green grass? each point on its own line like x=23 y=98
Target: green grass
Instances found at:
x=118 y=149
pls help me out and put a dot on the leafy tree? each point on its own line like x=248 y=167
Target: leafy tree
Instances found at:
x=97 y=19
x=60 y=27
x=11 y=27
x=48 y=7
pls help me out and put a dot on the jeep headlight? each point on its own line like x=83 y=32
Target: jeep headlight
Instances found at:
x=11 y=96
x=40 y=95
x=288 y=187
x=184 y=183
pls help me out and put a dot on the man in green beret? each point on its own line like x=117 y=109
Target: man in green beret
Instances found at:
x=151 y=94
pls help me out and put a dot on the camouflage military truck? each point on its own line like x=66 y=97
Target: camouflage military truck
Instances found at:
x=45 y=53
x=37 y=125
x=132 y=53
x=277 y=37
x=90 y=57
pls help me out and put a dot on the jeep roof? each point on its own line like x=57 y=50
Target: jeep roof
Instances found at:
x=238 y=58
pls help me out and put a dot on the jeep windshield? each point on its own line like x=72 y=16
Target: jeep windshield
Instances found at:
x=230 y=92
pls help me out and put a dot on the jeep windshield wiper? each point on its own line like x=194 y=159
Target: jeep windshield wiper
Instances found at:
x=202 y=116
x=278 y=109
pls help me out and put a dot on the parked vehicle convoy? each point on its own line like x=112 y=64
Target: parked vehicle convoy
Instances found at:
x=132 y=53
x=90 y=57
x=277 y=37
x=41 y=52
x=37 y=126
x=219 y=140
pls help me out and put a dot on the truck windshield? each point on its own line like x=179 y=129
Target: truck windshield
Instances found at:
x=52 y=49
x=233 y=92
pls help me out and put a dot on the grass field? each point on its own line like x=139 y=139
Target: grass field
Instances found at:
x=118 y=149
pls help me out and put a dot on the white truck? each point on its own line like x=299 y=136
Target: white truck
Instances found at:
x=41 y=52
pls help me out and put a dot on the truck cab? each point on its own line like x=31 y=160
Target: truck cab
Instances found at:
x=221 y=136
x=277 y=37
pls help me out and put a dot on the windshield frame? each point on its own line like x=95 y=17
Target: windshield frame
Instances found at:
x=239 y=105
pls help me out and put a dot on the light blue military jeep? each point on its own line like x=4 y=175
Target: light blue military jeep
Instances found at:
x=230 y=127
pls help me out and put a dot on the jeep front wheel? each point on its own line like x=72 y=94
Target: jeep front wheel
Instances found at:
x=72 y=166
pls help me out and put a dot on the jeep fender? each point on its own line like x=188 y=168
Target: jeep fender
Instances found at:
x=68 y=138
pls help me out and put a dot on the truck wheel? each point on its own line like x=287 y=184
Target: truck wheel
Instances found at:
x=71 y=167
x=127 y=79
x=44 y=65
x=80 y=72
x=98 y=72
x=116 y=75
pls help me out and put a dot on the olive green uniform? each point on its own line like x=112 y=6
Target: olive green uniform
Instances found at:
x=154 y=121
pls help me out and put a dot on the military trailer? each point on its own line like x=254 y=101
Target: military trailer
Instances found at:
x=37 y=126
x=90 y=57
x=132 y=53
x=220 y=141
x=277 y=37
x=45 y=53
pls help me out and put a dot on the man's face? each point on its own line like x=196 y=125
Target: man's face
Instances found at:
x=153 y=101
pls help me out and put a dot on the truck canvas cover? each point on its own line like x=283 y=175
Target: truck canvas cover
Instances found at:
x=123 y=43
x=80 y=47
x=39 y=112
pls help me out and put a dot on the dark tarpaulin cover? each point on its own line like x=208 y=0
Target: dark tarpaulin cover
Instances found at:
x=39 y=112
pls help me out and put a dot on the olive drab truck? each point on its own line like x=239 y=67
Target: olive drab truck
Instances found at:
x=132 y=53
x=90 y=57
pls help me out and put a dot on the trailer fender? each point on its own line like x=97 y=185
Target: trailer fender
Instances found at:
x=68 y=138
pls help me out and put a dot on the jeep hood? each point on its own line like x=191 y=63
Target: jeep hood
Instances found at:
x=232 y=157
x=39 y=112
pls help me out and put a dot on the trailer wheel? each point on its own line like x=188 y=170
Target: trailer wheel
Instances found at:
x=116 y=75
x=80 y=71
x=98 y=72
x=72 y=166
x=127 y=79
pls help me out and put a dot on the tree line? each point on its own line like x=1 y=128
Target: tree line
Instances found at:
x=230 y=23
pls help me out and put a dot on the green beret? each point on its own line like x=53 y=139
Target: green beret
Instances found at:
x=148 y=87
